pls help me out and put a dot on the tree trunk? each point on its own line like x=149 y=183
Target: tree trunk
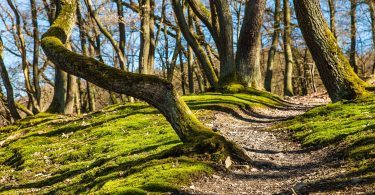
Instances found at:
x=145 y=50
x=226 y=52
x=288 y=75
x=353 y=35
x=338 y=77
x=183 y=76
x=59 y=97
x=37 y=90
x=195 y=45
x=190 y=56
x=332 y=16
x=8 y=85
x=371 y=4
x=248 y=48
x=121 y=27
x=273 y=49
x=25 y=64
x=155 y=91
x=70 y=93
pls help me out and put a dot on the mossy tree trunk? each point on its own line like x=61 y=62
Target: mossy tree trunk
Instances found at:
x=273 y=49
x=289 y=61
x=248 y=47
x=155 y=91
x=338 y=76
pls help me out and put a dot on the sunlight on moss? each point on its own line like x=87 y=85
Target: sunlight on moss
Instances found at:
x=350 y=123
x=121 y=145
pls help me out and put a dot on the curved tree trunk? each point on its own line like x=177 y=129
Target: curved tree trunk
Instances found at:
x=248 y=48
x=155 y=91
x=273 y=49
x=338 y=77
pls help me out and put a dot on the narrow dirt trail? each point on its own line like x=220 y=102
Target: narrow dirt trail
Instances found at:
x=280 y=165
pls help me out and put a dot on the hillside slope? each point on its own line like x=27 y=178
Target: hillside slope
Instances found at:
x=120 y=149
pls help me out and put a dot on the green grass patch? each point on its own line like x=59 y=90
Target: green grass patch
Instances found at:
x=350 y=124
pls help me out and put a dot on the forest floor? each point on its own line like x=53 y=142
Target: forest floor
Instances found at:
x=281 y=165
x=296 y=148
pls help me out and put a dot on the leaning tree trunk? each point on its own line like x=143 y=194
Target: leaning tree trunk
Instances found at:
x=273 y=49
x=152 y=89
x=338 y=77
x=248 y=48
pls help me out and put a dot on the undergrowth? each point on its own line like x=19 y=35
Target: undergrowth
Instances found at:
x=118 y=150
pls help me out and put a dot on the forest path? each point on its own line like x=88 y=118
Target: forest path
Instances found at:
x=280 y=165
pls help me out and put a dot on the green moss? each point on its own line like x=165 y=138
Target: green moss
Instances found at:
x=233 y=88
x=122 y=149
x=122 y=146
x=248 y=99
x=350 y=124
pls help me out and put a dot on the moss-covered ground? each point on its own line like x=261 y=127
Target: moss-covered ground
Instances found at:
x=349 y=125
x=123 y=149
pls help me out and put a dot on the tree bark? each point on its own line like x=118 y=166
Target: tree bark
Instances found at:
x=273 y=49
x=183 y=76
x=248 y=48
x=190 y=56
x=338 y=77
x=144 y=54
x=353 y=35
x=225 y=48
x=288 y=74
x=155 y=91
x=372 y=16
x=121 y=27
x=332 y=16
x=37 y=89
x=8 y=86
